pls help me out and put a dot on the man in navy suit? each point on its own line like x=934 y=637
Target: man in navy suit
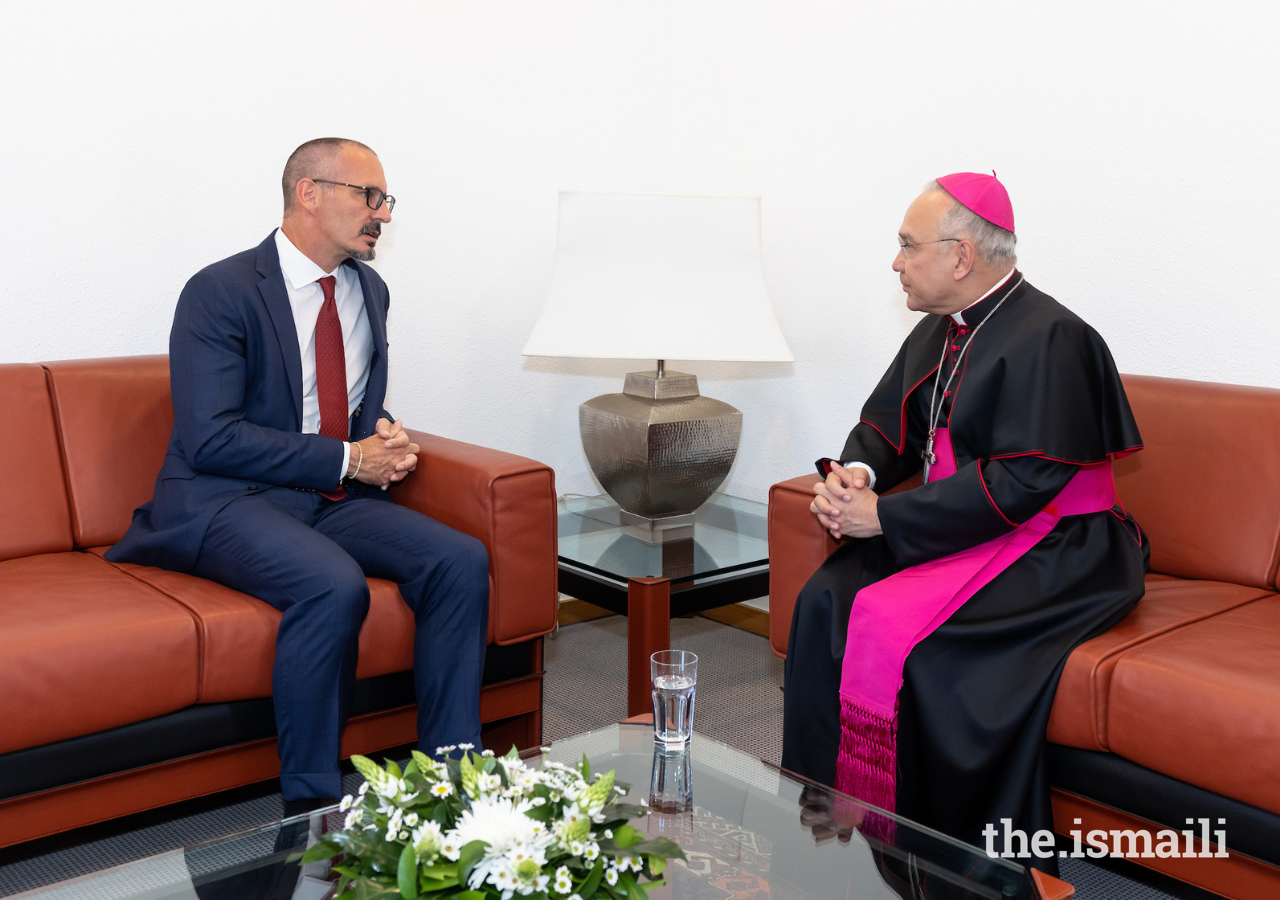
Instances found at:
x=275 y=476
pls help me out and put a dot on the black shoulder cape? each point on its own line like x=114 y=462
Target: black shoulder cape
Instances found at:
x=1037 y=381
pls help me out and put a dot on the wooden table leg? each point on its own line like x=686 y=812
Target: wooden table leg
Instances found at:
x=648 y=631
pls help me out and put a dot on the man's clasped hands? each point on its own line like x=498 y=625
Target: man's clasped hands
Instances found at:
x=845 y=505
x=384 y=457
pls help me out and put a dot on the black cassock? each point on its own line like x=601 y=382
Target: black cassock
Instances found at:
x=1037 y=395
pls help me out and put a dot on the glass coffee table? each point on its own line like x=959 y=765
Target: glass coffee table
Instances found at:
x=751 y=832
x=722 y=558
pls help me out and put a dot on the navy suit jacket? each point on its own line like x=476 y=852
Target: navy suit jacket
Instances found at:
x=236 y=376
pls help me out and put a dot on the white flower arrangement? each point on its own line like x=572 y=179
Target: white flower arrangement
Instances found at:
x=483 y=827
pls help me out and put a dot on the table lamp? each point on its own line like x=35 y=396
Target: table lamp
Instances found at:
x=658 y=276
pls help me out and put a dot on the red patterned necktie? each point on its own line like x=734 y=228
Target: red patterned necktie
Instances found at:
x=331 y=373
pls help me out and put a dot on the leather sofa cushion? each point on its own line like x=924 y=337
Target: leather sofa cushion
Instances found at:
x=34 y=517
x=238 y=632
x=114 y=416
x=87 y=648
x=1079 y=717
x=1205 y=487
x=1202 y=704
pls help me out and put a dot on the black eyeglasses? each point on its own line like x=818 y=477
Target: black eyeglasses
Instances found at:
x=373 y=196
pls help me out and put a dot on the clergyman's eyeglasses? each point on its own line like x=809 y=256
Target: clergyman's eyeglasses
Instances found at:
x=909 y=247
x=372 y=196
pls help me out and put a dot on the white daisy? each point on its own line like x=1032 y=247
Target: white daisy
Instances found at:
x=347 y=802
x=467 y=746
x=611 y=876
x=442 y=788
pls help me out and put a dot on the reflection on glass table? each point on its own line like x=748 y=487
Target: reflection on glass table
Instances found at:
x=754 y=831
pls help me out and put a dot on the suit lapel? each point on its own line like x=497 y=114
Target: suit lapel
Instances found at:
x=376 y=388
x=276 y=299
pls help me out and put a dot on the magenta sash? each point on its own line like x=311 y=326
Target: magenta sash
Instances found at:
x=893 y=615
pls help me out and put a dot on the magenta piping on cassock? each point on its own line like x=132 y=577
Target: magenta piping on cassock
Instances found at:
x=893 y=615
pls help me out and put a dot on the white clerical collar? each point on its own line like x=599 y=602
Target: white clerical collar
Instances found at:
x=298 y=269
x=958 y=318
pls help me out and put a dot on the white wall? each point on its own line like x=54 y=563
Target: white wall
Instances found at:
x=140 y=142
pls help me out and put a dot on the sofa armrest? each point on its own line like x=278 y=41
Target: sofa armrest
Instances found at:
x=509 y=504
x=797 y=546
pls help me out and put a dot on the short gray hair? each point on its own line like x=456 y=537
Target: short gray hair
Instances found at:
x=995 y=246
x=314 y=159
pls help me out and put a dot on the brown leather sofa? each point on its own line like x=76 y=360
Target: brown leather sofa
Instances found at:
x=124 y=688
x=1174 y=713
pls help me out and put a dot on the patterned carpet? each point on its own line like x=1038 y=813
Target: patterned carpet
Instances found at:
x=738 y=702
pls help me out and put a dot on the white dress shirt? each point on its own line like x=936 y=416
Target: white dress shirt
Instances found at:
x=305 y=299
x=958 y=318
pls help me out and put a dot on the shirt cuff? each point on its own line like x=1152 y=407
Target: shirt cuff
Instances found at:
x=346 y=461
x=870 y=471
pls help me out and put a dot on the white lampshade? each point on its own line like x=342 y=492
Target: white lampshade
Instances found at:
x=658 y=276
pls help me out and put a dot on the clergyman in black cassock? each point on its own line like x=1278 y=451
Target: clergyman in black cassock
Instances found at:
x=1035 y=396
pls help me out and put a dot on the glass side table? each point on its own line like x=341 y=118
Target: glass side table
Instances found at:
x=722 y=559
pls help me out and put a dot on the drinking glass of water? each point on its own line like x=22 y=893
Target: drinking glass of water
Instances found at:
x=675 y=678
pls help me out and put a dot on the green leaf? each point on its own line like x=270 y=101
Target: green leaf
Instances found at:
x=468 y=858
x=657 y=865
x=626 y=836
x=625 y=811
x=586 y=768
x=410 y=770
x=393 y=768
x=368 y=889
x=513 y=753
x=628 y=883
x=440 y=870
x=593 y=880
x=347 y=872
x=431 y=885
x=471 y=895
x=654 y=885
x=407 y=874
x=321 y=850
x=658 y=847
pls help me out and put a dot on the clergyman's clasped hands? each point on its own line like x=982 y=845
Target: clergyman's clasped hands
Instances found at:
x=845 y=504
x=384 y=457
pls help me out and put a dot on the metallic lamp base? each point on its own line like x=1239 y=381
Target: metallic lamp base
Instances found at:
x=659 y=448
x=658 y=531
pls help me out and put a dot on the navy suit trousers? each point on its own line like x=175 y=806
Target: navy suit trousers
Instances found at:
x=308 y=557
